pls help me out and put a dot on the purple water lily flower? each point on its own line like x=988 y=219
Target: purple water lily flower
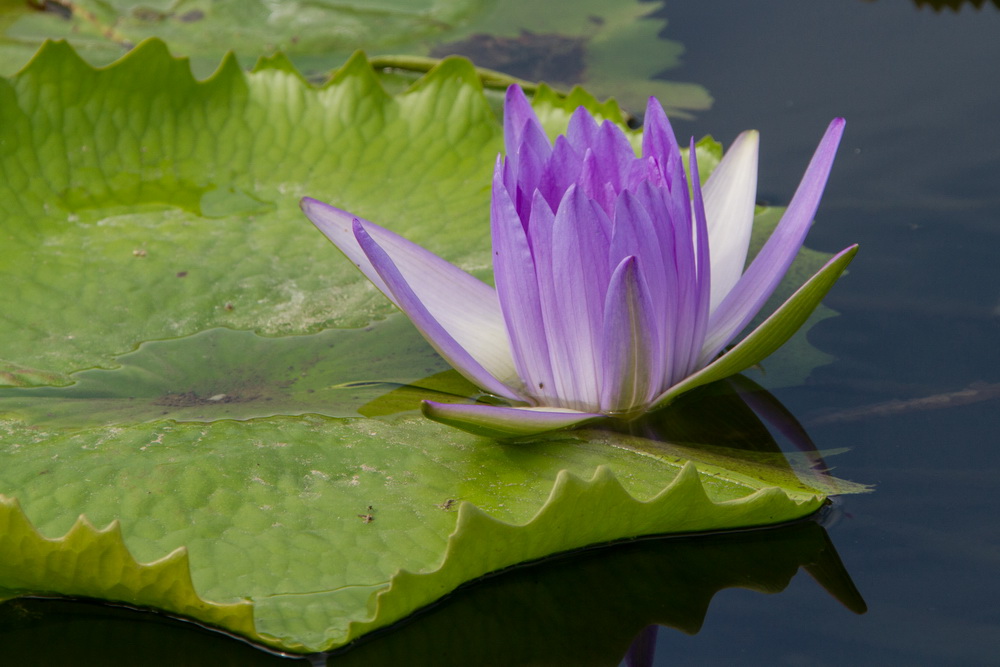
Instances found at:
x=616 y=289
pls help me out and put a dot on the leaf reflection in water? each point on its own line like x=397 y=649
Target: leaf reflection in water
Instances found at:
x=594 y=607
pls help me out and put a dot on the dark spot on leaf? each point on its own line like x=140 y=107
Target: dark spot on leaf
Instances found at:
x=189 y=399
x=192 y=16
x=182 y=274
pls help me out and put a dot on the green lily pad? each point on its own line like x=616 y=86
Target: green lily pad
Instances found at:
x=612 y=48
x=155 y=264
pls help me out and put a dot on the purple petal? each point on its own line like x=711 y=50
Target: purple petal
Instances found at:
x=635 y=234
x=643 y=170
x=594 y=185
x=517 y=288
x=539 y=230
x=436 y=334
x=614 y=154
x=465 y=306
x=517 y=116
x=494 y=421
x=573 y=277
x=532 y=160
x=652 y=199
x=582 y=130
x=590 y=177
x=562 y=170
x=685 y=264
x=703 y=287
x=659 y=143
x=632 y=354
x=510 y=183
x=772 y=262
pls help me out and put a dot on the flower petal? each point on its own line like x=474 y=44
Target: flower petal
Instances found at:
x=465 y=306
x=614 y=154
x=684 y=260
x=494 y=421
x=582 y=130
x=528 y=165
x=632 y=354
x=772 y=262
x=593 y=186
x=517 y=288
x=659 y=143
x=518 y=115
x=424 y=321
x=652 y=199
x=771 y=334
x=730 y=194
x=634 y=233
x=572 y=295
x=703 y=265
x=562 y=170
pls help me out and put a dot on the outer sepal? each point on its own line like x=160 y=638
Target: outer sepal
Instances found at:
x=494 y=421
x=771 y=334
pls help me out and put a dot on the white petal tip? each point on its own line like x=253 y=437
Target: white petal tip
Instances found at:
x=752 y=137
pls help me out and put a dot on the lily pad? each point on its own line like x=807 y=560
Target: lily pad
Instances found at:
x=154 y=261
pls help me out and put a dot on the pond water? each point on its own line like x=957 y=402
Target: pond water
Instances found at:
x=915 y=184
x=912 y=391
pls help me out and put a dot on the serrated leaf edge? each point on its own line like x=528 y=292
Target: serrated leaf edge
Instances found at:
x=564 y=522
x=35 y=564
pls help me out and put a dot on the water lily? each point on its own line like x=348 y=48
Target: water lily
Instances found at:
x=620 y=283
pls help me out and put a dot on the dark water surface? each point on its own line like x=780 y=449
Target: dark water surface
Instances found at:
x=913 y=391
x=917 y=184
